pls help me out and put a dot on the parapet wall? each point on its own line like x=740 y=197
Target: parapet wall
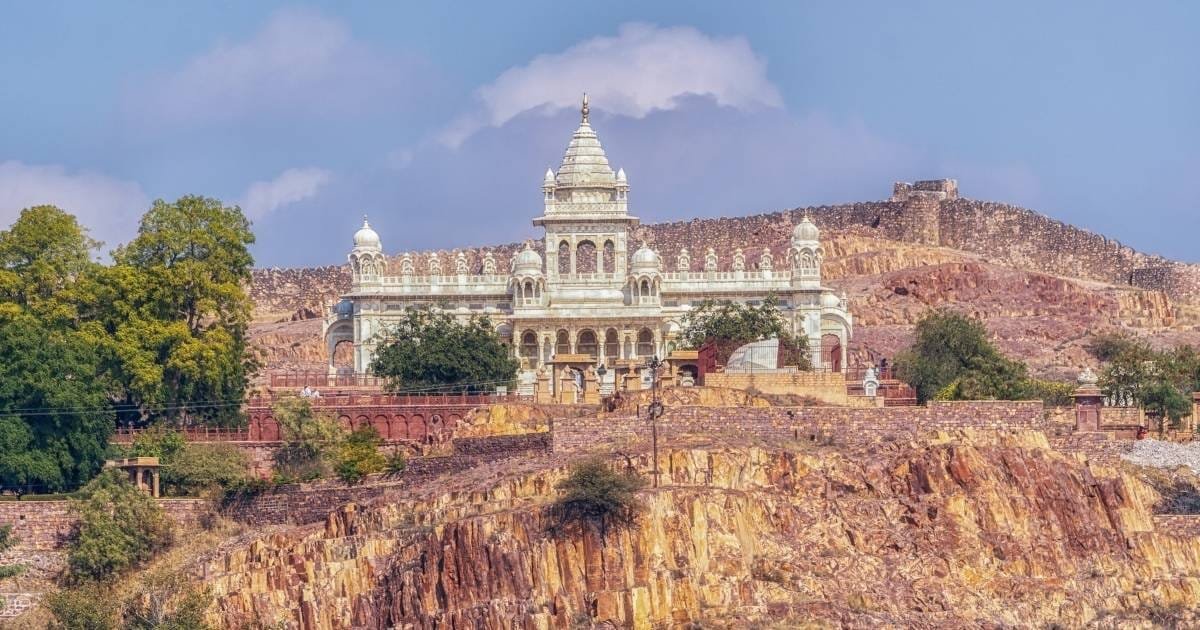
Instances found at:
x=775 y=424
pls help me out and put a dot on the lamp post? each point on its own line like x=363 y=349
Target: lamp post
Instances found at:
x=655 y=410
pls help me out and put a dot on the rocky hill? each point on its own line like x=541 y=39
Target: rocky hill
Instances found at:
x=1041 y=286
x=976 y=530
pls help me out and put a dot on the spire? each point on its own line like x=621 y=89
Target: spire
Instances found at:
x=584 y=110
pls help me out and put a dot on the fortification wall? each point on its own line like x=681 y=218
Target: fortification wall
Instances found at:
x=297 y=293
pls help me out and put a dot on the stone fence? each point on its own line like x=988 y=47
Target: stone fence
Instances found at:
x=846 y=424
x=311 y=502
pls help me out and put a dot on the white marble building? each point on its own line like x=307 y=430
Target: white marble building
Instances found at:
x=588 y=294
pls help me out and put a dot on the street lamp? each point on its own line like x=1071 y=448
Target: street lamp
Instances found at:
x=654 y=411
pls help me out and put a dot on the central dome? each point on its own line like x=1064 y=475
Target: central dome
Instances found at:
x=584 y=163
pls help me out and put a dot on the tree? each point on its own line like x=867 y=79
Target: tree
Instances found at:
x=42 y=256
x=432 y=350
x=55 y=412
x=119 y=528
x=1159 y=381
x=307 y=438
x=594 y=494
x=358 y=455
x=181 y=311
x=732 y=324
x=952 y=358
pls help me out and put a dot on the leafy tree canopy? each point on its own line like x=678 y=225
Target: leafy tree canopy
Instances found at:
x=953 y=359
x=358 y=455
x=432 y=350
x=1161 y=381
x=308 y=440
x=181 y=311
x=190 y=469
x=732 y=324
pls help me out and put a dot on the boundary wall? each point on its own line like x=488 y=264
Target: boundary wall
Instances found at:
x=846 y=424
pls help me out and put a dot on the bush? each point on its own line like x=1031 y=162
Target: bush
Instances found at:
x=167 y=600
x=396 y=462
x=307 y=438
x=200 y=467
x=358 y=455
x=594 y=494
x=7 y=542
x=89 y=606
x=952 y=359
x=119 y=528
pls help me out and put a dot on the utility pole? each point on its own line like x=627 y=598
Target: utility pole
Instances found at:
x=655 y=410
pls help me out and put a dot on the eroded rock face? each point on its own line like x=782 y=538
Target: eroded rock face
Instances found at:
x=974 y=530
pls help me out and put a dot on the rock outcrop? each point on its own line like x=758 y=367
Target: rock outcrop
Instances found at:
x=965 y=531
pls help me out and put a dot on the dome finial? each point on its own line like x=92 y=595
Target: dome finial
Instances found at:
x=365 y=224
x=584 y=110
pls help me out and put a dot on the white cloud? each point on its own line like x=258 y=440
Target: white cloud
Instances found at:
x=292 y=185
x=300 y=61
x=642 y=69
x=110 y=208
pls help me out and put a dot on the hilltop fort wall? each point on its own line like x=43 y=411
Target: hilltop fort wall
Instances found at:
x=930 y=213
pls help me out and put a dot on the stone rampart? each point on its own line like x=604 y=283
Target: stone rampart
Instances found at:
x=776 y=424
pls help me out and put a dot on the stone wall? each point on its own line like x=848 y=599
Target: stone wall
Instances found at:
x=42 y=528
x=311 y=502
x=775 y=424
x=828 y=387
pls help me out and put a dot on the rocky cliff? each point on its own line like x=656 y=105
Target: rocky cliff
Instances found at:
x=965 y=531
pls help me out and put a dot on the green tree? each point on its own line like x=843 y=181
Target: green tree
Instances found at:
x=308 y=437
x=180 y=311
x=595 y=494
x=42 y=258
x=952 y=358
x=733 y=324
x=430 y=349
x=358 y=455
x=119 y=528
x=1159 y=381
x=55 y=413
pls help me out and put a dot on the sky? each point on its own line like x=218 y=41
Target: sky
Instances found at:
x=438 y=120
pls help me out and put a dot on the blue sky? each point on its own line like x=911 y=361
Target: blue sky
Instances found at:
x=438 y=119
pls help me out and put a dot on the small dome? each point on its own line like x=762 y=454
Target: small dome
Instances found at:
x=830 y=300
x=549 y=178
x=366 y=237
x=528 y=261
x=621 y=175
x=806 y=230
x=645 y=259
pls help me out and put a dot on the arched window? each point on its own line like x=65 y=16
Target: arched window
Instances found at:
x=645 y=288
x=529 y=346
x=610 y=257
x=585 y=257
x=645 y=343
x=563 y=344
x=564 y=257
x=587 y=343
x=612 y=348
